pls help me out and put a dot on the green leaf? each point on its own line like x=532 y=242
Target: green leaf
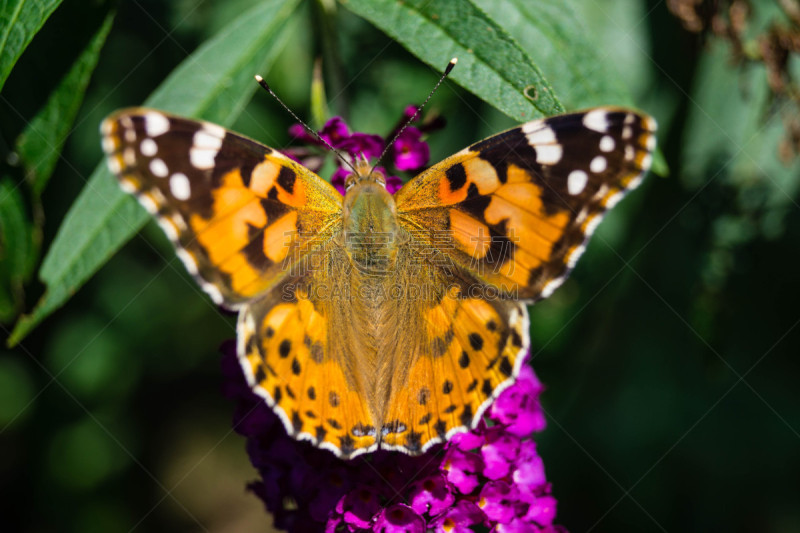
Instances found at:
x=557 y=40
x=490 y=63
x=214 y=83
x=17 y=247
x=20 y=20
x=39 y=146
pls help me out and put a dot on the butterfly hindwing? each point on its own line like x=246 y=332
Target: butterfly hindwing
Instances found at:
x=238 y=212
x=516 y=209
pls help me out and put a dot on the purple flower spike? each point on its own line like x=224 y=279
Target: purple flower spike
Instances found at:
x=359 y=144
x=431 y=495
x=358 y=507
x=338 y=178
x=461 y=469
x=335 y=132
x=409 y=112
x=499 y=454
x=298 y=132
x=499 y=501
x=459 y=518
x=518 y=406
x=393 y=184
x=399 y=518
x=542 y=511
x=409 y=151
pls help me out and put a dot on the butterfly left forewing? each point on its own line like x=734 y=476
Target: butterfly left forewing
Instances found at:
x=238 y=212
x=516 y=209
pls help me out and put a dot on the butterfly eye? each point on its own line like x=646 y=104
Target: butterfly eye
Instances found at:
x=350 y=181
x=378 y=176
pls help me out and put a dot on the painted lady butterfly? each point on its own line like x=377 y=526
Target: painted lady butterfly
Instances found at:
x=374 y=320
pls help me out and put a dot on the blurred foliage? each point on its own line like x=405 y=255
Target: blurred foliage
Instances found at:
x=670 y=355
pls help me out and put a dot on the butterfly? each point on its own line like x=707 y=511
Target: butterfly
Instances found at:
x=376 y=321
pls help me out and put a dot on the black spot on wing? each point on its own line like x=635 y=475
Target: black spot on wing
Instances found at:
x=286 y=178
x=447 y=388
x=333 y=399
x=441 y=428
x=254 y=249
x=346 y=444
x=414 y=441
x=505 y=367
x=285 y=348
x=456 y=176
x=466 y=416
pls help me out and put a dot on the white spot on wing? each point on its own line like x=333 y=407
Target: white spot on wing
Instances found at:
x=543 y=135
x=629 y=152
x=613 y=200
x=127 y=186
x=148 y=147
x=576 y=181
x=627 y=132
x=213 y=291
x=650 y=143
x=607 y=143
x=551 y=286
x=159 y=168
x=575 y=255
x=214 y=129
x=109 y=145
x=129 y=156
x=592 y=225
x=596 y=120
x=548 y=154
x=114 y=165
x=155 y=123
x=646 y=160
x=204 y=139
x=202 y=158
x=598 y=164
x=188 y=261
x=148 y=203
x=179 y=186
x=169 y=228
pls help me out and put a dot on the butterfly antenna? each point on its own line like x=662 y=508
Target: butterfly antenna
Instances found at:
x=264 y=84
x=414 y=116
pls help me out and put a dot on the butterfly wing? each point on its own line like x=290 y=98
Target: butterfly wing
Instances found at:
x=297 y=358
x=239 y=213
x=517 y=208
x=504 y=220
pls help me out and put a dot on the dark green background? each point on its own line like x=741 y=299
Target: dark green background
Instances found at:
x=670 y=355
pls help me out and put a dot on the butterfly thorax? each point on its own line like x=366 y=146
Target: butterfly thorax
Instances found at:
x=369 y=223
